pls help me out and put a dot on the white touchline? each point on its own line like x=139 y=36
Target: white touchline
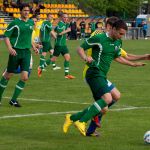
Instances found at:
x=60 y=113
x=44 y=100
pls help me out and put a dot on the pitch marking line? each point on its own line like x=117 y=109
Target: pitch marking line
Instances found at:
x=60 y=113
x=44 y=100
x=57 y=101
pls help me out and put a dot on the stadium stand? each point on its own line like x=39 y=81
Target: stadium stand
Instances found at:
x=72 y=10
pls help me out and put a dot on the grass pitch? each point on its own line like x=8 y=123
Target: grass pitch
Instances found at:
x=38 y=124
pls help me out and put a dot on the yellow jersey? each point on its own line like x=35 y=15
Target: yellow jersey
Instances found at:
x=36 y=33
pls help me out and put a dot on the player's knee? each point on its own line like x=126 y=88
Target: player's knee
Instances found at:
x=107 y=97
x=117 y=96
x=53 y=59
x=7 y=75
x=25 y=79
x=67 y=57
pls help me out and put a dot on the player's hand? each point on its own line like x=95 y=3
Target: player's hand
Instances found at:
x=12 y=51
x=36 y=50
x=147 y=56
x=139 y=64
x=89 y=59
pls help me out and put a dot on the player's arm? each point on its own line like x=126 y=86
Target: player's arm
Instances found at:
x=36 y=47
x=83 y=55
x=9 y=47
x=129 y=63
x=138 y=57
x=53 y=33
x=65 y=31
x=133 y=57
x=7 y=34
x=89 y=43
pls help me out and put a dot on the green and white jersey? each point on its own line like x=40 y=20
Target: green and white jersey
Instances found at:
x=61 y=39
x=20 y=32
x=104 y=50
x=45 y=31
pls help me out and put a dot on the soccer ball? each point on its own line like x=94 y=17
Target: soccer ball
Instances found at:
x=147 y=137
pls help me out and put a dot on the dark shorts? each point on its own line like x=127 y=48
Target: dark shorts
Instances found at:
x=60 y=50
x=46 y=46
x=98 y=85
x=22 y=59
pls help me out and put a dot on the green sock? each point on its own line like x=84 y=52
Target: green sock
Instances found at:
x=18 y=89
x=47 y=63
x=93 y=110
x=3 y=85
x=66 y=67
x=42 y=61
x=78 y=115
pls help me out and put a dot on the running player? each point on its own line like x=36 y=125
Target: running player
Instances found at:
x=62 y=29
x=105 y=48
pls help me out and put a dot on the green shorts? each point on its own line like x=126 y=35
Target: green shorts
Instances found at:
x=98 y=84
x=46 y=46
x=60 y=50
x=22 y=59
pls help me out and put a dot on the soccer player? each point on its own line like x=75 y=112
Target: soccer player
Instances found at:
x=105 y=48
x=82 y=28
x=18 y=41
x=45 y=36
x=62 y=29
x=114 y=91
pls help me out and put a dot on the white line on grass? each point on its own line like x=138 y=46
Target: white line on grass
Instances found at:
x=44 y=100
x=59 y=113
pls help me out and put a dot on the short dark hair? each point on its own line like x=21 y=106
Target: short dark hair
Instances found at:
x=60 y=13
x=111 y=20
x=120 y=24
x=23 y=6
x=49 y=14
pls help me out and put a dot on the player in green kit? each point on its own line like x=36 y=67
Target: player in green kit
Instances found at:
x=45 y=37
x=105 y=49
x=18 y=41
x=62 y=29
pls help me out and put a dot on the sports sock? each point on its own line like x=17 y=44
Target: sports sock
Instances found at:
x=66 y=67
x=78 y=115
x=18 y=89
x=112 y=103
x=93 y=110
x=42 y=61
x=3 y=85
x=92 y=127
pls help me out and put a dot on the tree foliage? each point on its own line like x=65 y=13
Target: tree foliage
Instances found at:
x=103 y=7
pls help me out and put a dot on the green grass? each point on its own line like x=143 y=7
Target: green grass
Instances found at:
x=121 y=130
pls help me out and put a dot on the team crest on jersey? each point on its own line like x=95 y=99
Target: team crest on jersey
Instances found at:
x=31 y=27
x=117 y=48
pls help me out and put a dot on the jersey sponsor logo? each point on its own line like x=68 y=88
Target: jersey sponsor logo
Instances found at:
x=31 y=27
x=112 y=44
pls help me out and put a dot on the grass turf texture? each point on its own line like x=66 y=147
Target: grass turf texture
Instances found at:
x=42 y=97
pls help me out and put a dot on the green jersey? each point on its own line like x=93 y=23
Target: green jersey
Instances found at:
x=45 y=31
x=93 y=26
x=20 y=32
x=104 y=50
x=61 y=39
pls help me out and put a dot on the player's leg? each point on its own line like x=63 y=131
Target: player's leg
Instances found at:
x=96 y=121
x=8 y=73
x=25 y=64
x=3 y=83
x=99 y=90
x=66 y=56
x=46 y=46
x=55 y=67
